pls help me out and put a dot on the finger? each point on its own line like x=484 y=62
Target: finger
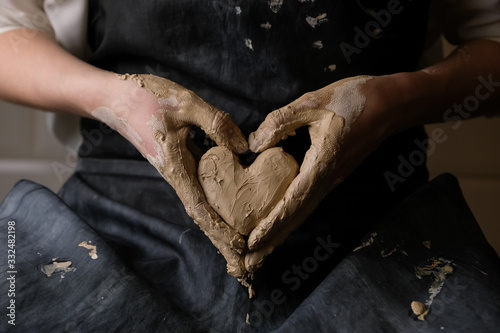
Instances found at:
x=226 y=239
x=220 y=128
x=282 y=220
x=320 y=159
x=229 y=242
x=182 y=108
x=314 y=181
x=281 y=124
x=180 y=171
x=216 y=124
x=254 y=260
x=186 y=108
x=235 y=265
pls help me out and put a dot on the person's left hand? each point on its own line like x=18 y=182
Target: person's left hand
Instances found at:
x=343 y=128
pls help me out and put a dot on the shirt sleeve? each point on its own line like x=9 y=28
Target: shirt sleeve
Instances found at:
x=465 y=20
x=64 y=20
x=16 y=14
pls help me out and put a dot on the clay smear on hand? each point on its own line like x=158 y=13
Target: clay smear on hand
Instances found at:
x=347 y=101
x=167 y=92
x=243 y=195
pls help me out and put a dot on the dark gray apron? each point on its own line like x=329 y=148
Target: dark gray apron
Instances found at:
x=354 y=264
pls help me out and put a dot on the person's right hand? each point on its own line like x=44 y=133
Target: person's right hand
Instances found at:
x=156 y=116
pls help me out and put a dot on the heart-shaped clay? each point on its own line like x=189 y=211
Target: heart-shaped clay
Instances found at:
x=242 y=195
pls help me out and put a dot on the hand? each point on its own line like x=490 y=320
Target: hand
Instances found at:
x=155 y=115
x=343 y=132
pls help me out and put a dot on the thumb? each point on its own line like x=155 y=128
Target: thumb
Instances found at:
x=279 y=125
x=220 y=128
x=187 y=108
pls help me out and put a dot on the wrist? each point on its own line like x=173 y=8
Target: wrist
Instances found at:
x=83 y=94
x=402 y=97
x=100 y=88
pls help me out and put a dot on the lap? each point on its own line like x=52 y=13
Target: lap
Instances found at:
x=158 y=272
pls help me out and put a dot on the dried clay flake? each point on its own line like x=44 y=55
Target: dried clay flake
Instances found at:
x=92 y=248
x=56 y=266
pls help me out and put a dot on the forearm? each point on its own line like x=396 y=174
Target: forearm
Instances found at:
x=464 y=85
x=37 y=72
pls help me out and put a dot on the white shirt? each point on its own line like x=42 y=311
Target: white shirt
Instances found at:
x=65 y=20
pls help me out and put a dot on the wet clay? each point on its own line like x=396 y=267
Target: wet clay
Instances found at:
x=243 y=195
x=178 y=109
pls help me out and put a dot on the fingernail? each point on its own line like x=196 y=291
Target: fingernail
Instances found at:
x=242 y=146
x=252 y=242
x=254 y=143
x=253 y=262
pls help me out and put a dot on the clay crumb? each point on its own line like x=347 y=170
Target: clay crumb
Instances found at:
x=330 y=68
x=244 y=281
x=318 y=45
x=314 y=21
x=417 y=307
x=248 y=43
x=134 y=77
x=266 y=25
x=251 y=291
x=92 y=248
x=419 y=310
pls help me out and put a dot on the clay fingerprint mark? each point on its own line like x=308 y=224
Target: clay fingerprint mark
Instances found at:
x=56 y=266
x=439 y=269
x=92 y=248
